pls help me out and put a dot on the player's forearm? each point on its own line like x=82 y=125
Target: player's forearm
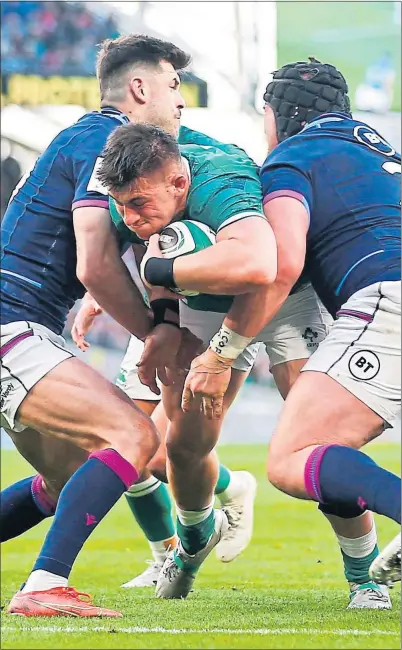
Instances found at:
x=230 y=267
x=250 y=312
x=113 y=288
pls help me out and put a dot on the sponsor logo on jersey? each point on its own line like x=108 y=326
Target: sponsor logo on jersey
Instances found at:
x=370 y=138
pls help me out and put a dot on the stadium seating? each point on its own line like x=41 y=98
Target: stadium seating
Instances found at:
x=51 y=37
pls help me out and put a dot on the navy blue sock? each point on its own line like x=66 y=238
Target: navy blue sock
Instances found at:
x=23 y=505
x=85 y=499
x=341 y=475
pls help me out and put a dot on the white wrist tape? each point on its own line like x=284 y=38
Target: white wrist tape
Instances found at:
x=228 y=344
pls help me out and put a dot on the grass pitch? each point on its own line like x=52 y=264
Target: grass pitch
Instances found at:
x=286 y=590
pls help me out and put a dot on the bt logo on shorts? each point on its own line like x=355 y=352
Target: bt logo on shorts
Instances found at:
x=364 y=365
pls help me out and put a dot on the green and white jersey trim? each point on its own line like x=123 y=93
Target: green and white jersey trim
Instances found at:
x=239 y=217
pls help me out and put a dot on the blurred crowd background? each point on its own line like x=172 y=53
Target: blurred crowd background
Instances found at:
x=48 y=52
x=52 y=37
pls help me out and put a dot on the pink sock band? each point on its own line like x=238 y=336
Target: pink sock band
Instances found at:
x=44 y=502
x=312 y=472
x=119 y=465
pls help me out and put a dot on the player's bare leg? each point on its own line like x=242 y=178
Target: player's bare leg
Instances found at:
x=193 y=471
x=339 y=427
x=73 y=402
x=355 y=530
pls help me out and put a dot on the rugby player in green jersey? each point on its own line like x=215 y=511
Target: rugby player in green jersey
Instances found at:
x=154 y=182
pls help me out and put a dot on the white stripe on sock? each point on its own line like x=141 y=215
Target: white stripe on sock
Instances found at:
x=143 y=488
x=360 y=546
x=193 y=517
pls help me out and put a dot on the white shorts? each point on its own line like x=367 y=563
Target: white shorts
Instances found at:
x=363 y=349
x=295 y=332
x=128 y=379
x=28 y=352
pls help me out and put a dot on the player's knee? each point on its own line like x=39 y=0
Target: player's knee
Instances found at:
x=277 y=469
x=157 y=465
x=132 y=441
x=188 y=449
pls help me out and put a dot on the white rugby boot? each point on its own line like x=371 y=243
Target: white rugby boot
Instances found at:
x=386 y=568
x=147 y=578
x=239 y=509
x=180 y=568
x=369 y=596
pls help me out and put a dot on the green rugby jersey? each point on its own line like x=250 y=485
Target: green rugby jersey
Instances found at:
x=224 y=188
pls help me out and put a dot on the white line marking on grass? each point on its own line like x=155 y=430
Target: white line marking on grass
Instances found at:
x=51 y=629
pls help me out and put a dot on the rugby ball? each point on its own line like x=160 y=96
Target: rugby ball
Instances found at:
x=182 y=238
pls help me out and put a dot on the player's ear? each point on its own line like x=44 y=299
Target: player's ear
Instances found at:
x=180 y=183
x=137 y=89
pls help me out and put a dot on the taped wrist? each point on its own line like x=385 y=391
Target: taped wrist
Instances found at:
x=227 y=344
x=165 y=310
x=159 y=272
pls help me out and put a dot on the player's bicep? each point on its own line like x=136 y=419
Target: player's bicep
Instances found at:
x=253 y=231
x=289 y=220
x=95 y=238
x=86 y=161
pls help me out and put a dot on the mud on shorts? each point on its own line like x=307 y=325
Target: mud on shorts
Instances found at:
x=362 y=352
x=28 y=352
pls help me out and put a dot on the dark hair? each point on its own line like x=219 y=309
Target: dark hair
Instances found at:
x=133 y=151
x=301 y=91
x=116 y=56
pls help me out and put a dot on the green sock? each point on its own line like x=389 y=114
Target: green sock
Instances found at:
x=150 y=503
x=223 y=479
x=194 y=536
x=357 y=568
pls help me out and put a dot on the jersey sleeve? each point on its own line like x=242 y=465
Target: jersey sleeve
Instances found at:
x=126 y=235
x=86 y=161
x=286 y=173
x=219 y=199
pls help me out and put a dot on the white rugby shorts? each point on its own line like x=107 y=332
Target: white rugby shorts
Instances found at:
x=362 y=352
x=294 y=333
x=28 y=352
x=128 y=379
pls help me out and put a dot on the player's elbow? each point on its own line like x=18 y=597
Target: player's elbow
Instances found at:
x=289 y=272
x=88 y=273
x=261 y=270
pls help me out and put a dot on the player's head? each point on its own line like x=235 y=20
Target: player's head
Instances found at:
x=143 y=170
x=300 y=92
x=139 y=74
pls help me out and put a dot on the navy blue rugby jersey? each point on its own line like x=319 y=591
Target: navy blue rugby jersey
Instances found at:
x=38 y=248
x=348 y=178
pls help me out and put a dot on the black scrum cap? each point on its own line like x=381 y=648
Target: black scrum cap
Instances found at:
x=301 y=91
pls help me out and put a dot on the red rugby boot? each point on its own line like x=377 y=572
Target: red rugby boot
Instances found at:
x=59 y=601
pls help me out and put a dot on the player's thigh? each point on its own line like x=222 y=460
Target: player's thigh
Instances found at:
x=54 y=459
x=74 y=401
x=294 y=335
x=44 y=387
x=192 y=432
x=349 y=390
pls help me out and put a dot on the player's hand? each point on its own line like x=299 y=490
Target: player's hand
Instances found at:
x=206 y=385
x=83 y=321
x=159 y=357
x=153 y=250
